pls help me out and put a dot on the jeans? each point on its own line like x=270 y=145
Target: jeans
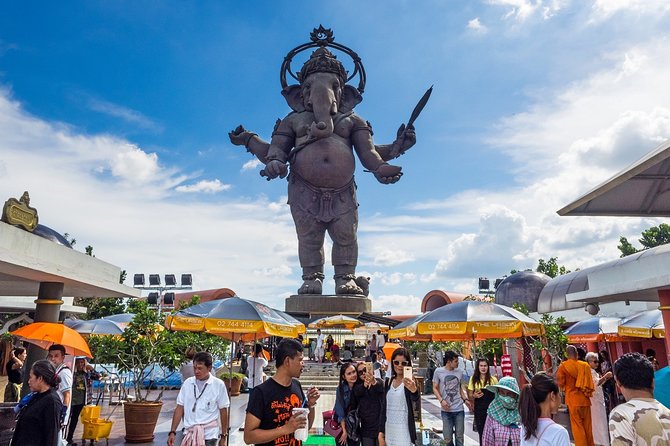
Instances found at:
x=453 y=423
x=75 y=410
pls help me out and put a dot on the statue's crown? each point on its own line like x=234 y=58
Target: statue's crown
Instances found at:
x=322 y=61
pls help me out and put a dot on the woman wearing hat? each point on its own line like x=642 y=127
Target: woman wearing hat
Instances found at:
x=503 y=421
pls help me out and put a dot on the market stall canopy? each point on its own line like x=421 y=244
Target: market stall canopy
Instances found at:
x=639 y=190
x=595 y=329
x=647 y=324
x=46 y=334
x=235 y=318
x=470 y=320
x=94 y=326
x=337 y=321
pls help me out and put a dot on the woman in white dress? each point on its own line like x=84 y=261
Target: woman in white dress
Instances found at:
x=396 y=427
x=598 y=412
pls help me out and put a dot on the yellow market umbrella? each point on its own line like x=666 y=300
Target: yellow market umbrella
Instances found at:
x=337 y=321
x=647 y=324
x=469 y=320
x=235 y=318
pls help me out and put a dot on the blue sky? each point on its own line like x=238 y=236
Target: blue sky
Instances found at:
x=114 y=115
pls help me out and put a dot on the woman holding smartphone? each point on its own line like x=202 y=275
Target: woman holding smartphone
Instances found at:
x=479 y=395
x=368 y=394
x=396 y=424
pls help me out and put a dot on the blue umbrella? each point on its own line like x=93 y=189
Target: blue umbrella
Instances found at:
x=593 y=329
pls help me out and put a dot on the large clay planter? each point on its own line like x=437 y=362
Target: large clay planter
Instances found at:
x=141 y=419
x=233 y=385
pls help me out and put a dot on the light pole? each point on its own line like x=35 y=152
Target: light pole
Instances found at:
x=158 y=295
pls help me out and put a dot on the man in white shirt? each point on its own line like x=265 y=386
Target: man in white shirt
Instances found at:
x=202 y=404
x=57 y=358
x=319 y=352
x=381 y=340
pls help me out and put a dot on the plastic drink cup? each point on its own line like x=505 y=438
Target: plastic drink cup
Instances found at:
x=301 y=434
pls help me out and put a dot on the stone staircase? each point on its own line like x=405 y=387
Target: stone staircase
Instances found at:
x=324 y=376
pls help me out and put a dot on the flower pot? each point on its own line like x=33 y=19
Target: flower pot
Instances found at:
x=141 y=419
x=233 y=385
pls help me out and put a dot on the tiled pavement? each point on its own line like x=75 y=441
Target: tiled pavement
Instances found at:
x=430 y=416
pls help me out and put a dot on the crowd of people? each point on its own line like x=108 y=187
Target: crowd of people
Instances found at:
x=375 y=401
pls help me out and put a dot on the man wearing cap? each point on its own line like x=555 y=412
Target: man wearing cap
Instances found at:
x=574 y=378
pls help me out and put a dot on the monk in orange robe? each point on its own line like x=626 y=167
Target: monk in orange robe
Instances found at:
x=574 y=378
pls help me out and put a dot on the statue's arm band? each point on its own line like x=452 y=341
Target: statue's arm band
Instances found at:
x=246 y=144
x=283 y=134
x=362 y=127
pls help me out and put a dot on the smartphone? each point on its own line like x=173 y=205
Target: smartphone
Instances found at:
x=407 y=372
x=369 y=367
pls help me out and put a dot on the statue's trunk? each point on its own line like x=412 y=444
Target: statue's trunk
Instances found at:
x=324 y=106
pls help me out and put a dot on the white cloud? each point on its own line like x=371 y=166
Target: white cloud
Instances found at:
x=392 y=257
x=135 y=165
x=205 y=186
x=124 y=113
x=401 y=304
x=251 y=164
x=522 y=10
x=477 y=26
x=604 y=9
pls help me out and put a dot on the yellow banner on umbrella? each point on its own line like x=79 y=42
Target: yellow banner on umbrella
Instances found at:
x=507 y=329
x=636 y=332
x=179 y=322
x=223 y=326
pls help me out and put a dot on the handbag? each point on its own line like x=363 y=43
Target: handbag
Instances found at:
x=353 y=423
x=330 y=426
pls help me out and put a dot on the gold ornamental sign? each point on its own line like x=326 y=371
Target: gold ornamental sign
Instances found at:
x=20 y=213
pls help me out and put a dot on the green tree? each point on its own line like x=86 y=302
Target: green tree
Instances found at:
x=650 y=238
x=551 y=267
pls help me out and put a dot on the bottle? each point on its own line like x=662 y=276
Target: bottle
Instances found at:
x=425 y=437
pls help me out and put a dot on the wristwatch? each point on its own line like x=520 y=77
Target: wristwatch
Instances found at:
x=172 y=433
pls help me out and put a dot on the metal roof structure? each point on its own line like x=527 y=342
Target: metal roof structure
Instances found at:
x=640 y=190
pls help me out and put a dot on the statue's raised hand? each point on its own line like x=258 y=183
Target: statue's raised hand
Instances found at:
x=240 y=136
x=274 y=169
x=388 y=174
x=405 y=139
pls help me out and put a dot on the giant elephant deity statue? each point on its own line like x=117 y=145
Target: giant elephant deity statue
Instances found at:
x=317 y=139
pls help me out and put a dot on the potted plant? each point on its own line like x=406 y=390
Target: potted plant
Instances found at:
x=233 y=381
x=144 y=347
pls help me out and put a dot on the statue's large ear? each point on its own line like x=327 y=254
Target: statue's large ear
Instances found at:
x=293 y=97
x=350 y=98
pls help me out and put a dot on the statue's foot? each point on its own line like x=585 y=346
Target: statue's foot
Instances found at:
x=364 y=283
x=312 y=284
x=346 y=284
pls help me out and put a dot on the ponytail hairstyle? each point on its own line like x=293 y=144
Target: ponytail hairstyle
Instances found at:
x=532 y=395
x=45 y=370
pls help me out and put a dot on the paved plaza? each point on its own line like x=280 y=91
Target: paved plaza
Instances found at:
x=430 y=415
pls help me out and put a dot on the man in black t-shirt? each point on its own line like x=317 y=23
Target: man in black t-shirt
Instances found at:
x=14 y=369
x=269 y=421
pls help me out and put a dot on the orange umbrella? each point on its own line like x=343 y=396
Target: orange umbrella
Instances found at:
x=45 y=334
x=389 y=348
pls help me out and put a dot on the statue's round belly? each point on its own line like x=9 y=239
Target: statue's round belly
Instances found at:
x=326 y=162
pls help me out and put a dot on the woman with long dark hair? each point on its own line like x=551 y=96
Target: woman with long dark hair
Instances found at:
x=537 y=402
x=479 y=395
x=343 y=400
x=38 y=422
x=368 y=394
x=396 y=425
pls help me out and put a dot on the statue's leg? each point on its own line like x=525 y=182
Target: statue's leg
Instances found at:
x=345 y=252
x=311 y=236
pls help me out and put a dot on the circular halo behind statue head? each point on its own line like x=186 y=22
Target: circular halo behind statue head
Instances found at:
x=323 y=60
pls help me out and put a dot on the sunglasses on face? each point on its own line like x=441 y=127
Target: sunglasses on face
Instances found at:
x=362 y=371
x=402 y=363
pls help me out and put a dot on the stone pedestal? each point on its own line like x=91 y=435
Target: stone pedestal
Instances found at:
x=321 y=305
